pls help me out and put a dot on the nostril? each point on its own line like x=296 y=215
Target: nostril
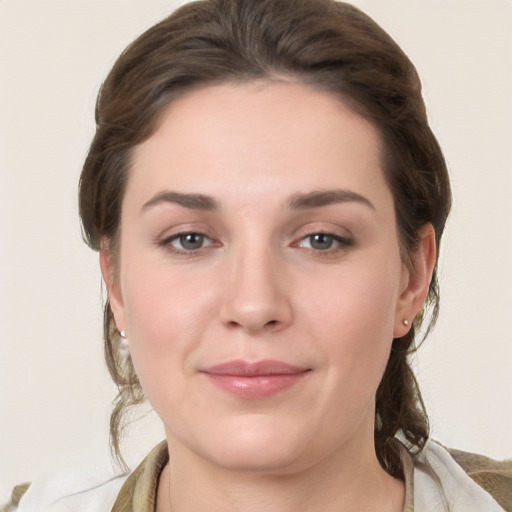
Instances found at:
x=253 y=328
x=254 y=311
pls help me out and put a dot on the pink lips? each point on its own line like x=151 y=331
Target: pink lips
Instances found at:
x=254 y=380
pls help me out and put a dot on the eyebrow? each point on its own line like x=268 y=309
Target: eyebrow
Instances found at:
x=192 y=201
x=321 y=198
x=315 y=199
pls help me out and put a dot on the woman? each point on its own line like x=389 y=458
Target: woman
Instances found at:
x=268 y=202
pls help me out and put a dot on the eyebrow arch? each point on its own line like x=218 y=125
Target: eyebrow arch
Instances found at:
x=192 y=201
x=321 y=198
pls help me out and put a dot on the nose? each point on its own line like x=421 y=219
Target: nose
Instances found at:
x=257 y=293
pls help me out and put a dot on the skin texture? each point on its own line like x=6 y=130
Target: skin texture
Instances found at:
x=258 y=287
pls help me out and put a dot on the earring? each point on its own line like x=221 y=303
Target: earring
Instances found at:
x=406 y=322
x=124 y=347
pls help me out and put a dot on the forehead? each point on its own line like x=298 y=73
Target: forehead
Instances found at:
x=258 y=136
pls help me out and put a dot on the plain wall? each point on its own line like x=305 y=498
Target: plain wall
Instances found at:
x=55 y=392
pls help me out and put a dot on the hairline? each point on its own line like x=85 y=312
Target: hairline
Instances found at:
x=112 y=244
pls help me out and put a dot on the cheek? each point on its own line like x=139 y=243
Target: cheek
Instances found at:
x=166 y=313
x=159 y=298
x=352 y=318
x=361 y=299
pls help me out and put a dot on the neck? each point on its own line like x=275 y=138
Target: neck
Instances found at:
x=356 y=483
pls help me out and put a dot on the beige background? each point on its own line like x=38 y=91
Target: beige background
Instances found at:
x=54 y=388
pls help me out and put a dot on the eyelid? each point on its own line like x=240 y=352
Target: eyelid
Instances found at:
x=165 y=240
x=324 y=228
x=338 y=238
x=342 y=237
x=182 y=228
x=172 y=238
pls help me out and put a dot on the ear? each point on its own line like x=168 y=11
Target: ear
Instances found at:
x=416 y=281
x=112 y=284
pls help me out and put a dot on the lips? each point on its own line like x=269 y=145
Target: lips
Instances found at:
x=262 y=379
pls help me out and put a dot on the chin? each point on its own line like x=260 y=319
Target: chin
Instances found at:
x=257 y=457
x=256 y=444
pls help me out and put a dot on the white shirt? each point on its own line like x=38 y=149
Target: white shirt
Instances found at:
x=435 y=483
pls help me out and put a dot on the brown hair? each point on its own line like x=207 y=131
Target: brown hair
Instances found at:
x=329 y=45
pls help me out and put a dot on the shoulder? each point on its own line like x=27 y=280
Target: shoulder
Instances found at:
x=495 y=476
x=461 y=480
x=17 y=493
x=91 y=491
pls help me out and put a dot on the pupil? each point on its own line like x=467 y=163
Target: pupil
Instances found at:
x=191 y=241
x=321 y=241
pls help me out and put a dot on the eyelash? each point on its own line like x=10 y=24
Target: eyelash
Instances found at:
x=168 y=242
x=341 y=243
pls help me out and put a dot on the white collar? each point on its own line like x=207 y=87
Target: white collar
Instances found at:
x=441 y=485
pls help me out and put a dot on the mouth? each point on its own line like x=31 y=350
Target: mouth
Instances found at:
x=261 y=379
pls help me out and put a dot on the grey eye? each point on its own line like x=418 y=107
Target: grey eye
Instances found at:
x=325 y=242
x=321 y=241
x=190 y=241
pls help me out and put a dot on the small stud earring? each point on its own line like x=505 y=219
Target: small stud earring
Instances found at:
x=406 y=323
x=123 y=334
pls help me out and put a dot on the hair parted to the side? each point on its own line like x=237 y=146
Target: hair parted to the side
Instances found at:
x=329 y=45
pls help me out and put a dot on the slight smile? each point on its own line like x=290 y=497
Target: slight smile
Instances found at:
x=261 y=379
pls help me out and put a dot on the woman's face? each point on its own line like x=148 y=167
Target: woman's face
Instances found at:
x=260 y=282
